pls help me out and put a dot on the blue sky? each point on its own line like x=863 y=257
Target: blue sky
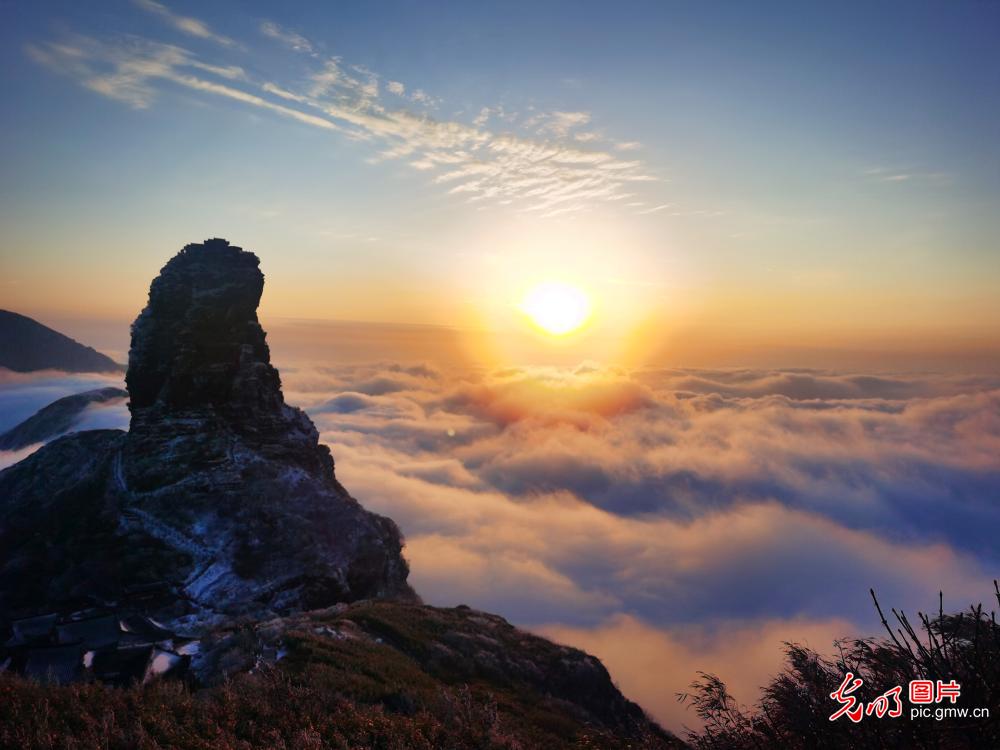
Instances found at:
x=816 y=172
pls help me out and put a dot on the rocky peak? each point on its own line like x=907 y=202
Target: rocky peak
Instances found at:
x=219 y=489
x=199 y=372
x=198 y=343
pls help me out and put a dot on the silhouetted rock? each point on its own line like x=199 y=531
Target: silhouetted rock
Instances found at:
x=26 y=345
x=214 y=453
x=57 y=418
x=199 y=373
x=223 y=484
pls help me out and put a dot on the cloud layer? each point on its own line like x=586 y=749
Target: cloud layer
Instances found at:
x=705 y=515
x=605 y=506
x=22 y=394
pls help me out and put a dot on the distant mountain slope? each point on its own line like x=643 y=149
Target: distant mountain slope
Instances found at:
x=57 y=418
x=27 y=345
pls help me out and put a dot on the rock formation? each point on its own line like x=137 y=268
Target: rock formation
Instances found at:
x=214 y=452
x=219 y=487
x=199 y=374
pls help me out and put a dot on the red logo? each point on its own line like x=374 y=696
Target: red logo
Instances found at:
x=889 y=704
x=849 y=705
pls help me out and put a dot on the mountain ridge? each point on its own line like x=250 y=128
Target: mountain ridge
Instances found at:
x=27 y=346
x=59 y=417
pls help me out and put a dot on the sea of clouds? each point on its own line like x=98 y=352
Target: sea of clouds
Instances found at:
x=667 y=520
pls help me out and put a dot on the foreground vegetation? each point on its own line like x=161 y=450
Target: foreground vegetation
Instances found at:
x=795 y=708
x=267 y=710
x=371 y=675
x=389 y=675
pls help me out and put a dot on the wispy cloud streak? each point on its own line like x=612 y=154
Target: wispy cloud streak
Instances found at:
x=543 y=165
x=186 y=24
x=291 y=39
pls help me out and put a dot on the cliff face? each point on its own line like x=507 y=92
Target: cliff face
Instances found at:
x=222 y=482
x=199 y=366
x=214 y=452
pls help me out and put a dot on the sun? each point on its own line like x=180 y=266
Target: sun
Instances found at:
x=556 y=307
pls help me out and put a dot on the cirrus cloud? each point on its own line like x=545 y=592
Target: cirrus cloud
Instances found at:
x=539 y=164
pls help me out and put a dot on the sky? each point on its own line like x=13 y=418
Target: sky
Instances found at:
x=733 y=178
x=784 y=216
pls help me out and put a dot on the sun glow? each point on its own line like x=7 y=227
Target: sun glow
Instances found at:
x=556 y=308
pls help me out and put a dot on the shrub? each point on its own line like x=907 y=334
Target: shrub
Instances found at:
x=794 y=709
